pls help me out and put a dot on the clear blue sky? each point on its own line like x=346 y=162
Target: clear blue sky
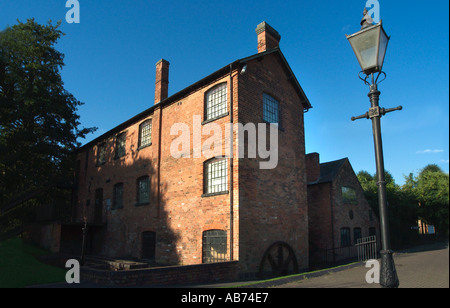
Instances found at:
x=110 y=61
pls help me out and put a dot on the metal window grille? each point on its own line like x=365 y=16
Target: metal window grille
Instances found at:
x=214 y=246
x=216 y=102
x=271 y=109
x=216 y=176
x=143 y=190
x=118 y=196
x=101 y=153
x=145 y=133
x=120 y=145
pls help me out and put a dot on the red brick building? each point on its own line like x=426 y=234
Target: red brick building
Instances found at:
x=142 y=201
x=338 y=212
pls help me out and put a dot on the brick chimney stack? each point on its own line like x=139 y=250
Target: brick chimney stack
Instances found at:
x=312 y=162
x=268 y=37
x=162 y=80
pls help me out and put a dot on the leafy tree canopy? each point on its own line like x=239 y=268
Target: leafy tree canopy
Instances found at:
x=423 y=197
x=39 y=126
x=432 y=192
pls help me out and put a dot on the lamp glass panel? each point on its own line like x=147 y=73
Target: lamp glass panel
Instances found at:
x=383 y=46
x=365 y=47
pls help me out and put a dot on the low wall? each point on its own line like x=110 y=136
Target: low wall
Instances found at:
x=163 y=276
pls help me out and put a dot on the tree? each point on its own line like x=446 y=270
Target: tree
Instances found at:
x=402 y=206
x=432 y=192
x=39 y=126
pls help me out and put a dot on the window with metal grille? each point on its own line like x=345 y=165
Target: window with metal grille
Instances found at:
x=345 y=237
x=120 y=144
x=117 y=196
x=216 y=102
x=216 y=179
x=271 y=109
x=145 y=133
x=214 y=246
x=101 y=154
x=143 y=190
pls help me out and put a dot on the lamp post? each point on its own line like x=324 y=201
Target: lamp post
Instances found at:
x=83 y=243
x=369 y=45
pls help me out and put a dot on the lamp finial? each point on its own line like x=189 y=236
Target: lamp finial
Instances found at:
x=367 y=20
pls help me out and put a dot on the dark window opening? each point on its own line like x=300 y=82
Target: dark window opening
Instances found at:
x=345 y=237
x=148 y=245
x=143 y=190
x=120 y=145
x=118 y=196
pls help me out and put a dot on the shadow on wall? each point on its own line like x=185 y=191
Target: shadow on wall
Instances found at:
x=125 y=212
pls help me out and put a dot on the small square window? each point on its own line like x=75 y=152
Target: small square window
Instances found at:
x=214 y=246
x=349 y=195
x=216 y=179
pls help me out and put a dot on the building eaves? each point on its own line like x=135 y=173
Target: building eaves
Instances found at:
x=197 y=85
x=177 y=96
x=305 y=102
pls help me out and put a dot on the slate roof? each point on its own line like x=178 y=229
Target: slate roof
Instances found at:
x=329 y=171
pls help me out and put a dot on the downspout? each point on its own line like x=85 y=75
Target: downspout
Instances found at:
x=332 y=221
x=231 y=165
x=159 y=160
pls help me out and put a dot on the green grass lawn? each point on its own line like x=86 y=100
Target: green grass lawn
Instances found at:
x=19 y=266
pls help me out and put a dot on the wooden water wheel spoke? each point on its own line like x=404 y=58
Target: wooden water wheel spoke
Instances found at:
x=287 y=261
x=272 y=262
x=276 y=262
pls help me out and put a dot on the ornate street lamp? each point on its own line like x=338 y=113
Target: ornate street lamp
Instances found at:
x=369 y=45
x=83 y=244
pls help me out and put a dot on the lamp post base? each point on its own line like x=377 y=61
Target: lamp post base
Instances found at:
x=388 y=275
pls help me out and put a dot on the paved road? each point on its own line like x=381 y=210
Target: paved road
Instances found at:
x=421 y=267
x=415 y=269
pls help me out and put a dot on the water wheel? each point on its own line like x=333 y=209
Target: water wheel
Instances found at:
x=278 y=260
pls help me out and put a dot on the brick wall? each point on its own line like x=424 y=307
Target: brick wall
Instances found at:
x=273 y=203
x=184 y=209
x=329 y=213
x=360 y=217
x=312 y=167
x=319 y=219
x=163 y=276
x=260 y=207
x=177 y=211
